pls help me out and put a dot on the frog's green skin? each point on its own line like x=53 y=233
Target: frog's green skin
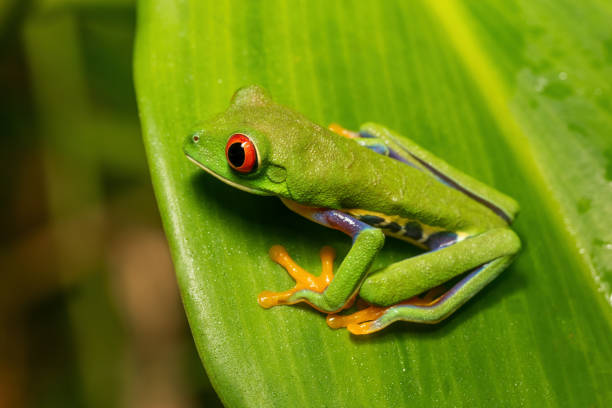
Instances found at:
x=374 y=184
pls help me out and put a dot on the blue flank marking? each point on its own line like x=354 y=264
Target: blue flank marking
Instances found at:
x=439 y=240
x=380 y=149
x=338 y=220
x=393 y=154
x=366 y=135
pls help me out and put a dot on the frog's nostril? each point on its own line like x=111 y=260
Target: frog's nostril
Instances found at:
x=196 y=138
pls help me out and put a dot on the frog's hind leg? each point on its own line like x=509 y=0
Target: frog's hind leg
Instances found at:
x=481 y=258
x=372 y=312
x=407 y=151
x=375 y=318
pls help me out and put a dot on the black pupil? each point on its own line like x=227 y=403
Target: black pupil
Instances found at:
x=235 y=154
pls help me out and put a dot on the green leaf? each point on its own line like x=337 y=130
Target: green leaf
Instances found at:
x=516 y=94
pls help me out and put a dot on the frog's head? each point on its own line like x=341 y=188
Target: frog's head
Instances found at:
x=238 y=146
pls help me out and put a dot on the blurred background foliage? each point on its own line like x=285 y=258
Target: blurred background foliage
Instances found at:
x=81 y=240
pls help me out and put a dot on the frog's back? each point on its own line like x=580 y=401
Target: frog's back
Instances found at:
x=322 y=168
x=336 y=172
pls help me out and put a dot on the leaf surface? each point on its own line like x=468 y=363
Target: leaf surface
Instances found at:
x=513 y=93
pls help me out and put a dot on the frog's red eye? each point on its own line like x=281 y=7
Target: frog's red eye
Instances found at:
x=241 y=154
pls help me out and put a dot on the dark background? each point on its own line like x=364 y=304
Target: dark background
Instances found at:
x=90 y=313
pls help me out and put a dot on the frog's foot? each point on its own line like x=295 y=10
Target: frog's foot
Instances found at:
x=359 y=322
x=336 y=128
x=375 y=318
x=303 y=279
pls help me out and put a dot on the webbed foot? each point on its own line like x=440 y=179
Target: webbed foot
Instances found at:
x=359 y=322
x=374 y=318
x=303 y=279
x=336 y=128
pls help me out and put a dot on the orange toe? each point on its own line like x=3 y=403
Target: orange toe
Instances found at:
x=336 y=128
x=303 y=279
x=355 y=319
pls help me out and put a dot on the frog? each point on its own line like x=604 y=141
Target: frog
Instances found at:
x=369 y=184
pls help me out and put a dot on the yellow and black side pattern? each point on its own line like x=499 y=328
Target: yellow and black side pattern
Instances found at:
x=422 y=235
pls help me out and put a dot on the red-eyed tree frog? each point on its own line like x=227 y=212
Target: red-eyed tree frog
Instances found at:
x=368 y=184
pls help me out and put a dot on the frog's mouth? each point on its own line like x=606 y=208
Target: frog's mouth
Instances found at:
x=225 y=180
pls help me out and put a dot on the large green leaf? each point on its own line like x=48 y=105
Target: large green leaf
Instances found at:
x=515 y=93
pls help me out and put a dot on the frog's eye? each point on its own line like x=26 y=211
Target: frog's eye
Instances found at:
x=241 y=154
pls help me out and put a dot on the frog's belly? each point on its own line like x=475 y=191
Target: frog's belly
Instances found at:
x=413 y=231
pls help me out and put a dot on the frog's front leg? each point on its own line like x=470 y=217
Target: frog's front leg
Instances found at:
x=367 y=241
x=303 y=279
